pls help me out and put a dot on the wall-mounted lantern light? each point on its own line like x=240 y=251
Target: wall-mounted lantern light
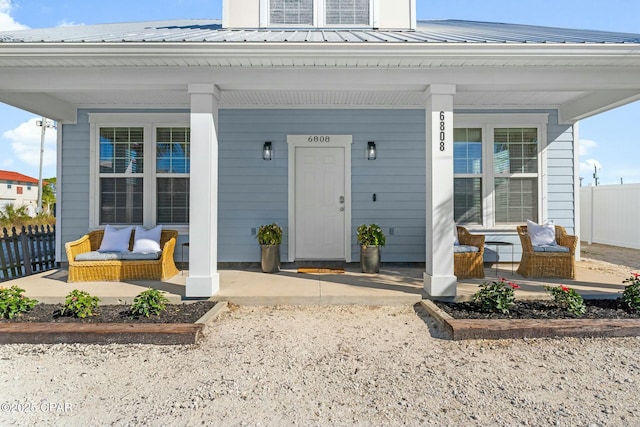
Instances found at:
x=267 y=151
x=371 y=150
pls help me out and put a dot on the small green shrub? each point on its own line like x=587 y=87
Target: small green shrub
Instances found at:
x=151 y=301
x=13 y=302
x=371 y=235
x=568 y=299
x=631 y=293
x=495 y=297
x=79 y=304
x=270 y=234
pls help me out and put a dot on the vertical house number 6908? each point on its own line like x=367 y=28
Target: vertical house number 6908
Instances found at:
x=442 y=128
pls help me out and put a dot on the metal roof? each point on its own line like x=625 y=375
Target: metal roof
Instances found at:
x=211 y=31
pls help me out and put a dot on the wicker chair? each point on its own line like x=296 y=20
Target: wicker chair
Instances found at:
x=118 y=270
x=548 y=264
x=468 y=265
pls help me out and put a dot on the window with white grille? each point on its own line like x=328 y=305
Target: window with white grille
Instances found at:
x=347 y=12
x=319 y=13
x=291 y=12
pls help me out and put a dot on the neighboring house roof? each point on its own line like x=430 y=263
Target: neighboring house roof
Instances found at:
x=16 y=177
x=436 y=31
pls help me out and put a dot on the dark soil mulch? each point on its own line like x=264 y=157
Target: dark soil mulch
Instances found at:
x=174 y=313
x=596 y=309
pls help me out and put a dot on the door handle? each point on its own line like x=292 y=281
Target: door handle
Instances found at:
x=341 y=209
x=341 y=199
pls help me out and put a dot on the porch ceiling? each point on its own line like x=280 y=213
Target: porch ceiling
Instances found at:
x=319 y=99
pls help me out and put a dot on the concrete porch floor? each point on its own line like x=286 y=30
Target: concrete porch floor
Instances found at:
x=400 y=285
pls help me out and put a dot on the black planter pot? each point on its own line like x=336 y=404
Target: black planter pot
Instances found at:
x=270 y=258
x=370 y=259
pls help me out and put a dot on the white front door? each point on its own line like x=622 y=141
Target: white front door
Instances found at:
x=320 y=203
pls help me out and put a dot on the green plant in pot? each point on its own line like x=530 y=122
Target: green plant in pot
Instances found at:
x=270 y=238
x=371 y=239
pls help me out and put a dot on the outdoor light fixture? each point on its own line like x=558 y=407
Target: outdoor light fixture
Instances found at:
x=371 y=150
x=267 y=151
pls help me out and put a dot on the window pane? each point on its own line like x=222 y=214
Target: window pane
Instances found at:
x=173 y=150
x=121 y=150
x=467 y=151
x=516 y=200
x=173 y=200
x=291 y=12
x=121 y=200
x=347 y=12
x=515 y=150
x=467 y=200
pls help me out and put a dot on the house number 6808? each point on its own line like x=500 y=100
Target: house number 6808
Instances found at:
x=442 y=129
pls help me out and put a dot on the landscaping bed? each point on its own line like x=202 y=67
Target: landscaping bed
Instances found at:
x=111 y=324
x=174 y=313
x=525 y=309
x=535 y=319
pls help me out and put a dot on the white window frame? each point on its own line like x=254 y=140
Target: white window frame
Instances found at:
x=149 y=122
x=319 y=16
x=489 y=122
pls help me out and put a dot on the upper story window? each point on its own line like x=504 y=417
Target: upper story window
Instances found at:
x=347 y=12
x=319 y=13
x=9 y=184
x=291 y=12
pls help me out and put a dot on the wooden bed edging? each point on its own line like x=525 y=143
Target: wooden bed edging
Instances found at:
x=108 y=333
x=466 y=329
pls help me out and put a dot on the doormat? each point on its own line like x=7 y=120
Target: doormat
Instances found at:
x=320 y=270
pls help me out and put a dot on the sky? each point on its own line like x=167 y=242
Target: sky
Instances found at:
x=606 y=140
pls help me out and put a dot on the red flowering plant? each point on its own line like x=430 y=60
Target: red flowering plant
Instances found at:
x=496 y=296
x=631 y=293
x=568 y=299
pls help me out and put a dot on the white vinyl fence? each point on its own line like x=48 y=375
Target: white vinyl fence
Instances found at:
x=610 y=214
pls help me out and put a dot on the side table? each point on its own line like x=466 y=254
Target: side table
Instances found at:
x=497 y=245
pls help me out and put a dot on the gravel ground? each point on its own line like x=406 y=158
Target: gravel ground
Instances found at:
x=340 y=365
x=325 y=366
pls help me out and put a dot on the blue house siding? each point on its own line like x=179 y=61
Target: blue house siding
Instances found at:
x=74 y=200
x=560 y=173
x=254 y=192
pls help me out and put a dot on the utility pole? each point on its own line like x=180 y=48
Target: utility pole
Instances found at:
x=44 y=124
x=595 y=173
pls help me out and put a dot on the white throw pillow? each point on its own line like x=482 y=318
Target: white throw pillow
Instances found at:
x=544 y=234
x=456 y=242
x=147 y=240
x=115 y=240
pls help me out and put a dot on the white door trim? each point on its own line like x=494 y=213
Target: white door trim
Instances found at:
x=319 y=141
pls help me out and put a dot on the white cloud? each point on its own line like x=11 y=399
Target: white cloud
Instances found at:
x=586 y=145
x=7 y=23
x=25 y=143
x=69 y=24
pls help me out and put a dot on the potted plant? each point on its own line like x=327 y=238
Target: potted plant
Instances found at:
x=371 y=238
x=270 y=238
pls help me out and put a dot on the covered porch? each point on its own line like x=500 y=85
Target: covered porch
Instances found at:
x=596 y=278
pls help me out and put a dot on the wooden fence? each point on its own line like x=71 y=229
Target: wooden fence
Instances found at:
x=27 y=251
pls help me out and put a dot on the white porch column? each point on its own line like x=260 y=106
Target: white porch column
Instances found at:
x=203 y=280
x=438 y=278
